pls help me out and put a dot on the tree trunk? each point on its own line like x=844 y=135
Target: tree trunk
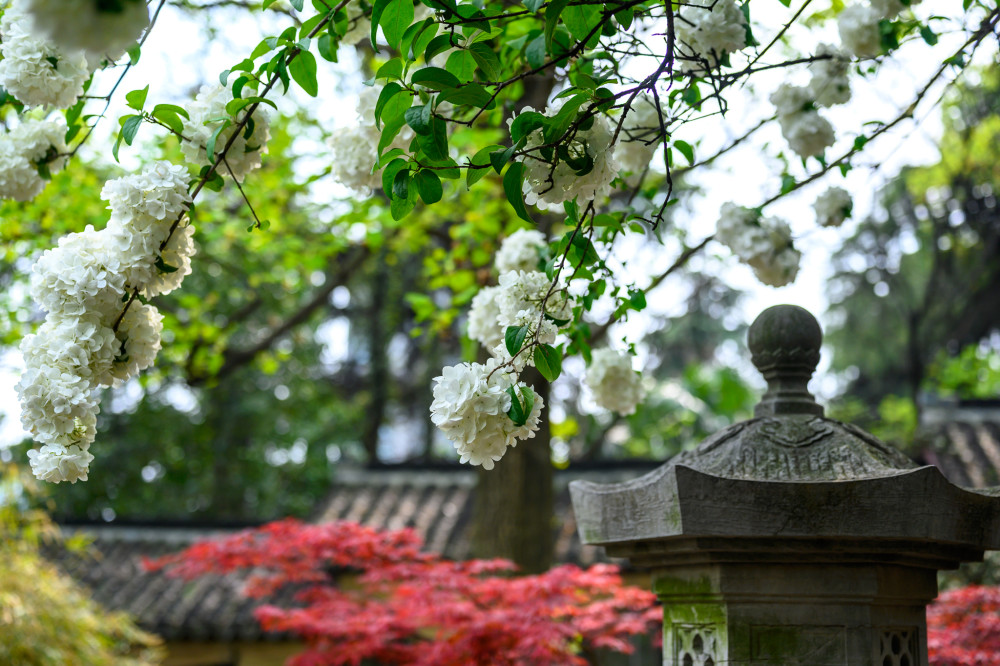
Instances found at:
x=513 y=510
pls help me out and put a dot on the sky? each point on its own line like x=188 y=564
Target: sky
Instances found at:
x=175 y=64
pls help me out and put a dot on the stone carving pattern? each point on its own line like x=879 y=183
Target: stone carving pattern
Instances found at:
x=897 y=647
x=695 y=645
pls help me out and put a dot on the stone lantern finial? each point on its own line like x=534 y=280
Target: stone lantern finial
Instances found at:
x=784 y=342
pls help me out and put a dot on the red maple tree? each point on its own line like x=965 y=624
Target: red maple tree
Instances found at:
x=369 y=594
x=963 y=627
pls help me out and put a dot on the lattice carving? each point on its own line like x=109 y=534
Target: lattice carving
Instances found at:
x=897 y=646
x=696 y=645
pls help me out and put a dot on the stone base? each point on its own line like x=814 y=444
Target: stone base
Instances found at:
x=776 y=614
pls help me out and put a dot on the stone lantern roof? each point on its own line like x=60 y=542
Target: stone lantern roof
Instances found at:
x=790 y=474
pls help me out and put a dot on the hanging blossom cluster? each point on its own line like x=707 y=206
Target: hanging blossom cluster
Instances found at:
x=355 y=149
x=34 y=70
x=858 y=25
x=765 y=244
x=612 y=381
x=589 y=177
x=833 y=207
x=98 y=29
x=85 y=285
x=32 y=148
x=207 y=112
x=474 y=403
x=707 y=32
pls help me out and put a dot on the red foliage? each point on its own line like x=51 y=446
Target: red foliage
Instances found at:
x=405 y=606
x=963 y=627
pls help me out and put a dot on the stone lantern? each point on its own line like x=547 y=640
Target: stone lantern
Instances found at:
x=791 y=539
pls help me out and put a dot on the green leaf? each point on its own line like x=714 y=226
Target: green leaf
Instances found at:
x=435 y=78
x=686 y=150
x=419 y=118
x=435 y=144
x=534 y=53
x=134 y=52
x=428 y=186
x=552 y=13
x=499 y=158
x=388 y=92
x=390 y=172
x=426 y=35
x=326 y=45
x=390 y=70
x=514 y=338
x=928 y=35
x=471 y=94
x=212 y=140
x=163 y=266
x=512 y=183
x=548 y=361
x=461 y=64
x=170 y=115
x=298 y=4
x=581 y=21
x=439 y=45
x=480 y=159
x=533 y=5
x=303 y=71
x=559 y=123
x=401 y=184
x=516 y=411
x=526 y=123
x=395 y=18
x=487 y=61
x=130 y=127
x=137 y=98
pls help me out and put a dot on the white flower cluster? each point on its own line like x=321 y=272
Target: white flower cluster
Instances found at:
x=829 y=84
x=521 y=251
x=471 y=402
x=833 y=207
x=640 y=134
x=206 y=114
x=613 y=382
x=552 y=184
x=708 y=31
x=765 y=244
x=355 y=149
x=858 y=25
x=808 y=134
x=36 y=71
x=32 y=146
x=99 y=29
x=81 y=284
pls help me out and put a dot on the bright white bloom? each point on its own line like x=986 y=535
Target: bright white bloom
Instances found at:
x=176 y=255
x=859 y=33
x=35 y=71
x=359 y=25
x=206 y=110
x=807 y=133
x=483 y=314
x=471 y=401
x=56 y=463
x=833 y=207
x=709 y=30
x=520 y=251
x=519 y=301
x=100 y=29
x=552 y=184
x=765 y=244
x=355 y=149
x=32 y=146
x=829 y=84
x=139 y=339
x=79 y=277
x=778 y=265
x=615 y=385
x=19 y=179
x=57 y=407
x=891 y=8
x=640 y=135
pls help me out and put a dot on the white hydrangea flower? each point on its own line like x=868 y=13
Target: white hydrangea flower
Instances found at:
x=520 y=251
x=359 y=25
x=56 y=463
x=891 y=8
x=708 y=30
x=829 y=84
x=177 y=255
x=99 y=29
x=32 y=145
x=548 y=184
x=79 y=276
x=35 y=71
x=765 y=244
x=139 y=339
x=615 y=385
x=471 y=401
x=833 y=207
x=57 y=406
x=355 y=149
x=808 y=134
x=636 y=145
x=84 y=346
x=483 y=313
x=205 y=111
x=859 y=33
x=520 y=296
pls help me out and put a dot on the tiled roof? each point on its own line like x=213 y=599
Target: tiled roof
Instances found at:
x=436 y=503
x=966 y=451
